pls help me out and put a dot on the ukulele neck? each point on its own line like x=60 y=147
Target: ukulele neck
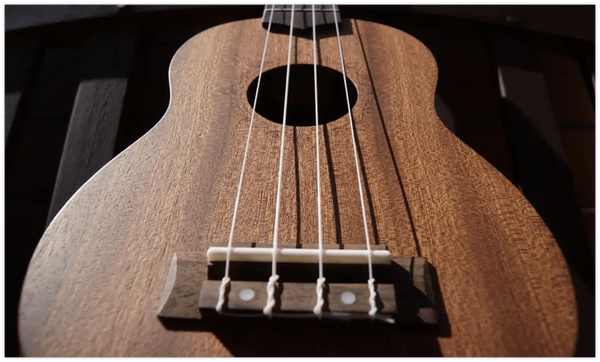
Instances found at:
x=303 y=19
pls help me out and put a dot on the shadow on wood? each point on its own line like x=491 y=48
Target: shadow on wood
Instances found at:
x=323 y=31
x=318 y=338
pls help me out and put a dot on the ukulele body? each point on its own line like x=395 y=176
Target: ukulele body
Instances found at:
x=96 y=279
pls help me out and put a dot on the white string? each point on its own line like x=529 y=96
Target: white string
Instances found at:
x=226 y=279
x=318 y=310
x=268 y=310
x=371 y=281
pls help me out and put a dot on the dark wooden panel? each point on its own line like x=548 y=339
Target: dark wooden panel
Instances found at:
x=181 y=23
x=150 y=78
x=56 y=85
x=590 y=220
x=587 y=59
x=579 y=147
x=577 y=21
x=586 y=312
x=24 y=16
x=147 y=94
x=20 y=17
x=590 y=62
x=21 y=63
x=474 y=94
x=566 y=86
x=33 y=162
x=573 y=21
x=92 y=132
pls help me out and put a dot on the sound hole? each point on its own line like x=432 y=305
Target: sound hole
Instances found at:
x=301 y=98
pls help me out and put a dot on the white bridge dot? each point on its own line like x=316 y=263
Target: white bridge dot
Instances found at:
x=246 y=294
x=348 y=298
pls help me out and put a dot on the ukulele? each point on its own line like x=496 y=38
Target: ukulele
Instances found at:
x=299 y=197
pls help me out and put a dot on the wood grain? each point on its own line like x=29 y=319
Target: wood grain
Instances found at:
x=182 y=287
x=97 y=276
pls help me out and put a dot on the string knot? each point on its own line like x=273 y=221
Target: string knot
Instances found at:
x=318 y=310
x=268 y=310
x=372 y=296
x=224 y=282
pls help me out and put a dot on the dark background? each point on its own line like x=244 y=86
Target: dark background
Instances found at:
x=517 y=84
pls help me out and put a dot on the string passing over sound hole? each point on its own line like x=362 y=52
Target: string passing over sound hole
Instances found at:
x=301 y=98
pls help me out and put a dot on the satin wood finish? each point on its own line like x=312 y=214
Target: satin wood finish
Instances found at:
x=95 y=281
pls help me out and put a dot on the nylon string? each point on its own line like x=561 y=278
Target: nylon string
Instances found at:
x=226 y=279
x=318 y=310
x=268 y=310
x=371 y=281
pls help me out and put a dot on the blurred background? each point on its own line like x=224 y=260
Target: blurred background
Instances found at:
x=516 y=84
